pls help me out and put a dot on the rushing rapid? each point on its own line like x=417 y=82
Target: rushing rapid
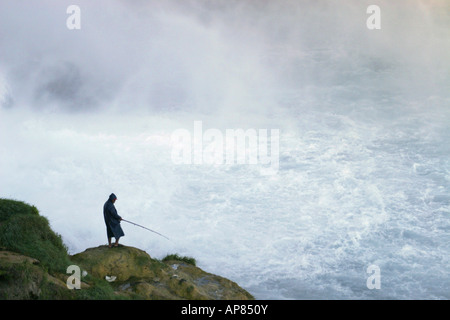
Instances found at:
x=363 y=160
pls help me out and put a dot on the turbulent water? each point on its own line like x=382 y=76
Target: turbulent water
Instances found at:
x=363 y=174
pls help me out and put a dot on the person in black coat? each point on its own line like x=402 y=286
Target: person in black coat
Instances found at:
x=112 y=221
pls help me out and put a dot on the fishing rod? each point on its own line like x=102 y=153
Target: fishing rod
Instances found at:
x=146 y=228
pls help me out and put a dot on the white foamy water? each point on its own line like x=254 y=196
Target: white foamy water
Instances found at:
x=364 y=118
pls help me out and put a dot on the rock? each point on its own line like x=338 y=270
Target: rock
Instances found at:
x=23 y=278
x=136 y=276
x=121 y=262
x=139 y=276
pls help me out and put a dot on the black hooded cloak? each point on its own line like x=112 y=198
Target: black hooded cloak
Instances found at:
x=112 y=219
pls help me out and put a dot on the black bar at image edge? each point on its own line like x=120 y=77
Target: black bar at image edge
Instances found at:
x=235 y=309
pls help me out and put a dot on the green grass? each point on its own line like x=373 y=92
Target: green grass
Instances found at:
x=98 y=290
x=9 y=208
x=23 y=230
x=176 y=257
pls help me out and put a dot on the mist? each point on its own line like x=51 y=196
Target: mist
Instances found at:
x=363 y=116
x=218 y=56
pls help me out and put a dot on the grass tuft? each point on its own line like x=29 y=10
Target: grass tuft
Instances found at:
x=176 y=257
